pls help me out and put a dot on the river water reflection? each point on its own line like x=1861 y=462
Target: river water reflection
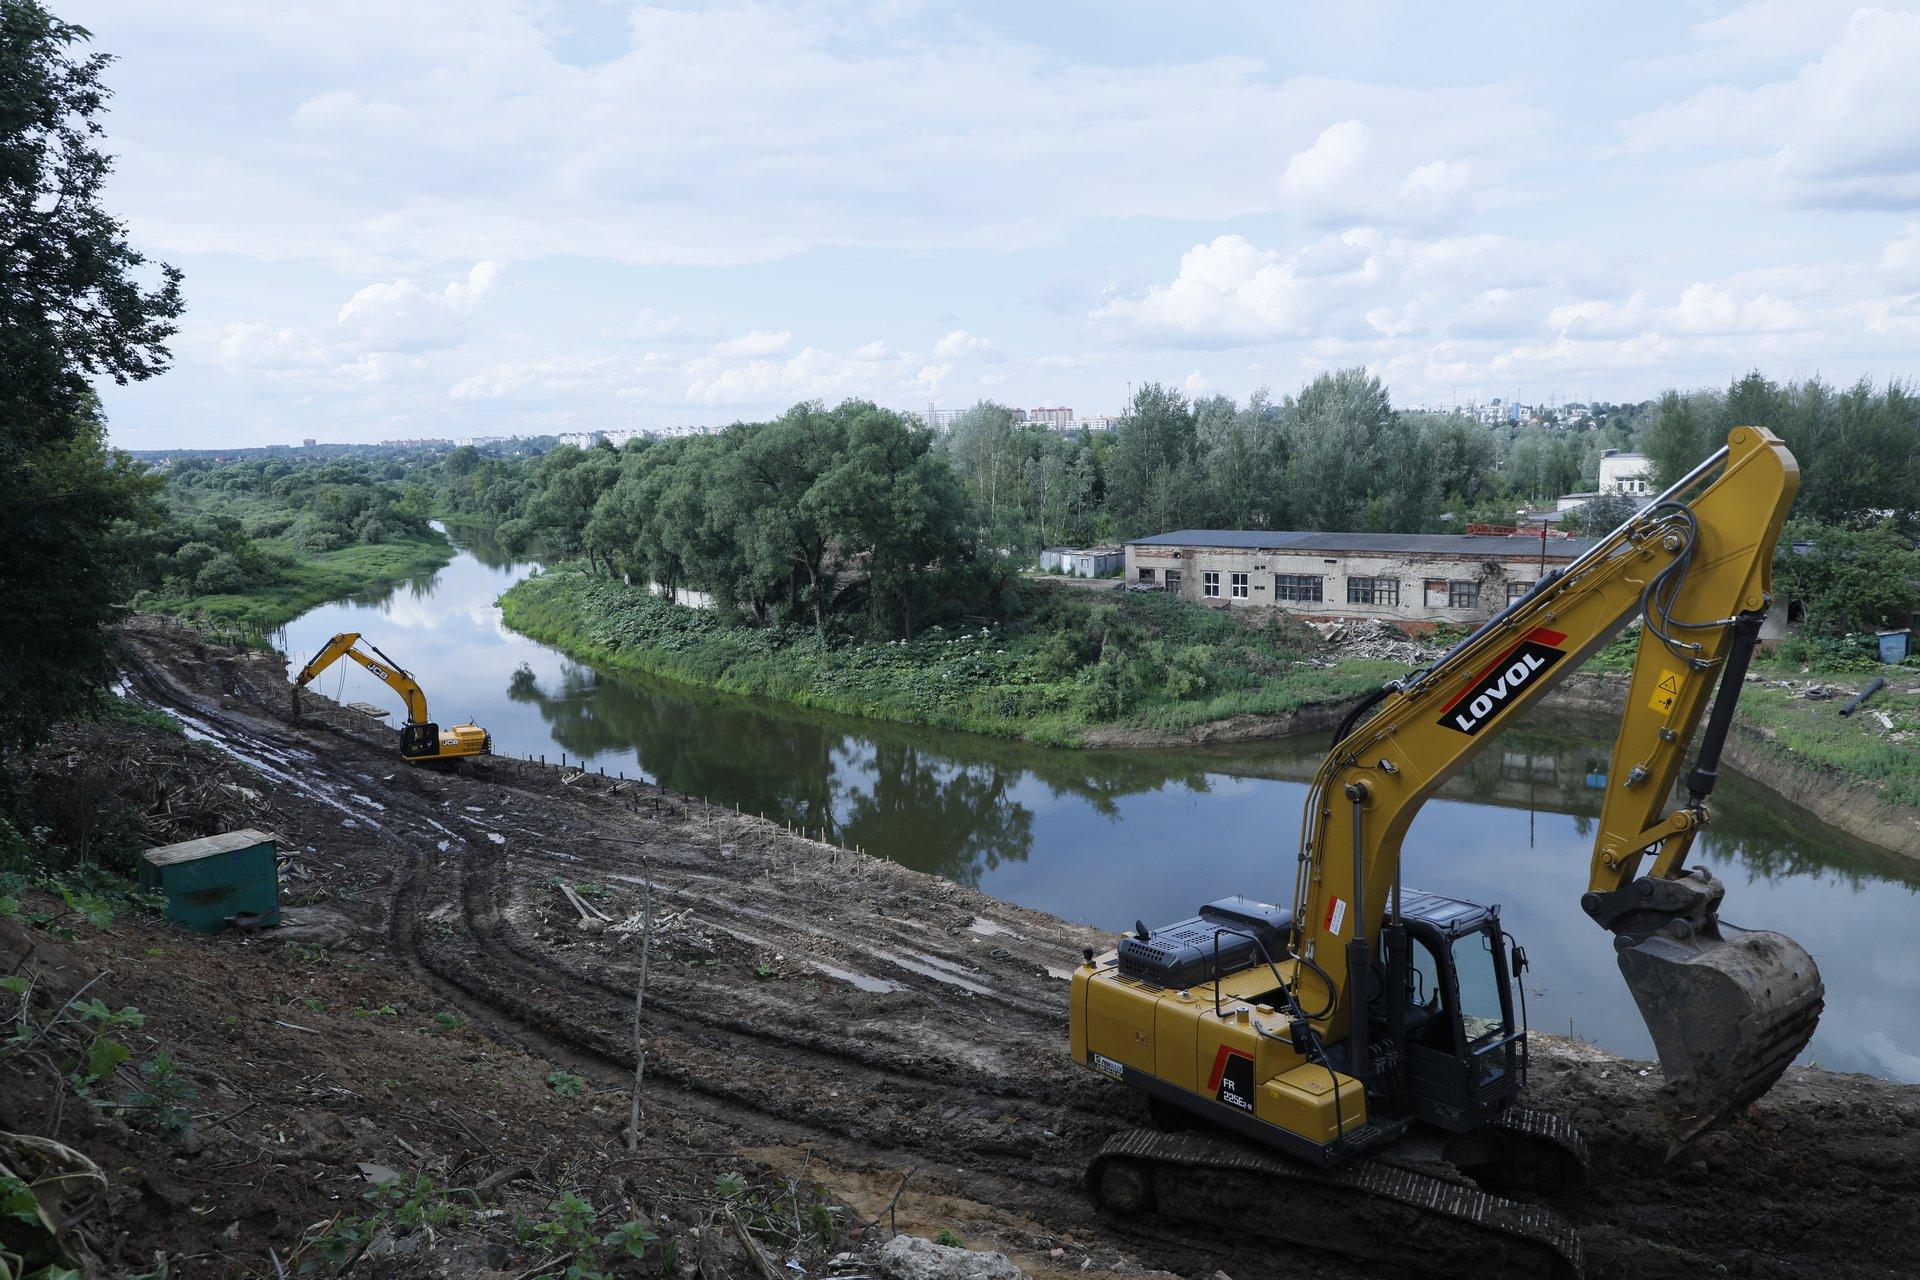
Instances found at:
x=1106 y=837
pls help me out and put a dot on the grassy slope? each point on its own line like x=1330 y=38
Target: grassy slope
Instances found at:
x=1176 y=666
x=314 y=580
x=1796 y=730
x=1004 y=684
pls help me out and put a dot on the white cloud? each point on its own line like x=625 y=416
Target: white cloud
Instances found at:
x=1842 y=132
x=960 y=343
x=1437 y=191
x=1361 y=283
x=759 y=342
x=1197 y=385
x=399 y=315
x=1344 y=179
x=875 y=350
x=1900 y=259
x=387 y=318
x=344 y=112
x=655 y=326
x=545 y=377
x=1327 y=181
x=809 y=374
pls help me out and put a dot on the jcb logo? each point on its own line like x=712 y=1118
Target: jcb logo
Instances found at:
x=1500 y=683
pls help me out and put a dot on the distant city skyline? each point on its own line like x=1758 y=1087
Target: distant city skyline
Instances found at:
x=496 y=217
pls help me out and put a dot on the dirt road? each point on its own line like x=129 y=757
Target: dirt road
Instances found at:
x=833 y=1016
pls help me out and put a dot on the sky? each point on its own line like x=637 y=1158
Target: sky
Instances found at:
x=480 y=217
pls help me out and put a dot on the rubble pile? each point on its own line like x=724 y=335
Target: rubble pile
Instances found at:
x=1373 y=639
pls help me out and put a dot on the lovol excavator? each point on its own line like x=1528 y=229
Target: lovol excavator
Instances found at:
x=420 y=739
x=1366 y=1039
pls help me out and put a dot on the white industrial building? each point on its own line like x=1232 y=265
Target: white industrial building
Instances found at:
x=1409 y=578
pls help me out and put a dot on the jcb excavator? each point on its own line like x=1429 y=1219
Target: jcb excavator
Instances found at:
x=1366 y=1037
x=420 y=739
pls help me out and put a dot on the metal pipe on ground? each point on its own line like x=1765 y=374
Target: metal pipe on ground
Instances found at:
x=1874 y=686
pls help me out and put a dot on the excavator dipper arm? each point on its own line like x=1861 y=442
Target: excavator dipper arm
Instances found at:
x=1728 y=1009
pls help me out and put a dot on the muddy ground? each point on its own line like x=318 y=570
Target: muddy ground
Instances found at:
x=819 y=1022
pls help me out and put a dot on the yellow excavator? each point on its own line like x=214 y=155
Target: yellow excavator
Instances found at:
x=1370 y=1040
x=421 y=740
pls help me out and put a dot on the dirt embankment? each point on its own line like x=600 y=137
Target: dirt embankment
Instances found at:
x=814 y=1017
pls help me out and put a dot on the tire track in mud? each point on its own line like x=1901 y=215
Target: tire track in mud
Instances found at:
x=712 y=1063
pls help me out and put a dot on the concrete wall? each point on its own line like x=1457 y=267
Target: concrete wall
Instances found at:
x=1493 y=572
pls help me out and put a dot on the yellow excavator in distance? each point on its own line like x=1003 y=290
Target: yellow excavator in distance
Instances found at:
x=420 y=739
x=1369 y=1032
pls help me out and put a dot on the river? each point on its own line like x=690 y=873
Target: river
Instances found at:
x=1109 y=837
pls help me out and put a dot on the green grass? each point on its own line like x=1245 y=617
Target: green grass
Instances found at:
x=1799 y=731
x=309 y=580
x=1075 y=660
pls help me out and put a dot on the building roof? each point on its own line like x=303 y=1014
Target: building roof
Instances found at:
x=1461 y=544
x=207 y=846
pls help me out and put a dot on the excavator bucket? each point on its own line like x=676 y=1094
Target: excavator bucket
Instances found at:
x=1729 y=1009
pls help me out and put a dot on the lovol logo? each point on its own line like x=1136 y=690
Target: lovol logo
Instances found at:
x=1501 y=682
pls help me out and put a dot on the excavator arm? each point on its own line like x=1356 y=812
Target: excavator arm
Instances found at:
x=1728 y=1008
x=385 y=669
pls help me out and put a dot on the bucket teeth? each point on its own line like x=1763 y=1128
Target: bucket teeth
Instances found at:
x=1728 y=1015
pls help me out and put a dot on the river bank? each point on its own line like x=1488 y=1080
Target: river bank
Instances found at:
x=304 y=580
x=1858 y=775
x=818 y=1023
x=1074 y=666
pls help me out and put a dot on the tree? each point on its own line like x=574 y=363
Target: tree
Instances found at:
x=1338 y=427
x=73 y=306
x=1149 y=473
x=901 y=504
x=1847 y=580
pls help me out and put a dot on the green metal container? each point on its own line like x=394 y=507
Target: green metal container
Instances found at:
x=209 y=881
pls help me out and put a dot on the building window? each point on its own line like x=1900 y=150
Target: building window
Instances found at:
x=1239 y=585
x=1302 y=588
x=1146 y=574
x=1173 y=581
x=1210 y=585
x=1517 y=589
x=1463 y=595
x=1373 y=591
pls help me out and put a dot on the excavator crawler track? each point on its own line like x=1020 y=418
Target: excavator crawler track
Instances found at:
x=1369 y=1209
x=1523 y=1152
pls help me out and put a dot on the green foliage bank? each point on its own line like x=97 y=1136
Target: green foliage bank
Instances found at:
x=1073 y=660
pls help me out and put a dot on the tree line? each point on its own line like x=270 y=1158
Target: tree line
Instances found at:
x=822 y=515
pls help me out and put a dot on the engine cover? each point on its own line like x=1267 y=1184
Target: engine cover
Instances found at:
x=1179 y=955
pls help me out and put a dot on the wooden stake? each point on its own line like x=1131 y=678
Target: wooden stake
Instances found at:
x=639 y=1003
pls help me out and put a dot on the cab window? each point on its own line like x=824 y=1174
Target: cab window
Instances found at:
x=1482 y=1011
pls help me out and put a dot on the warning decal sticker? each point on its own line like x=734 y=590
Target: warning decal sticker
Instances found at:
x=1336 y=916
x=1666 y=692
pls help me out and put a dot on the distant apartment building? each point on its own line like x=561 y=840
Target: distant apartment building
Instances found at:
x=1060 y=419
x=1099 y=422
x=1415 y=579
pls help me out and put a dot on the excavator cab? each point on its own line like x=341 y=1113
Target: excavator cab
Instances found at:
x=1456 y=1056
x=420 y=741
